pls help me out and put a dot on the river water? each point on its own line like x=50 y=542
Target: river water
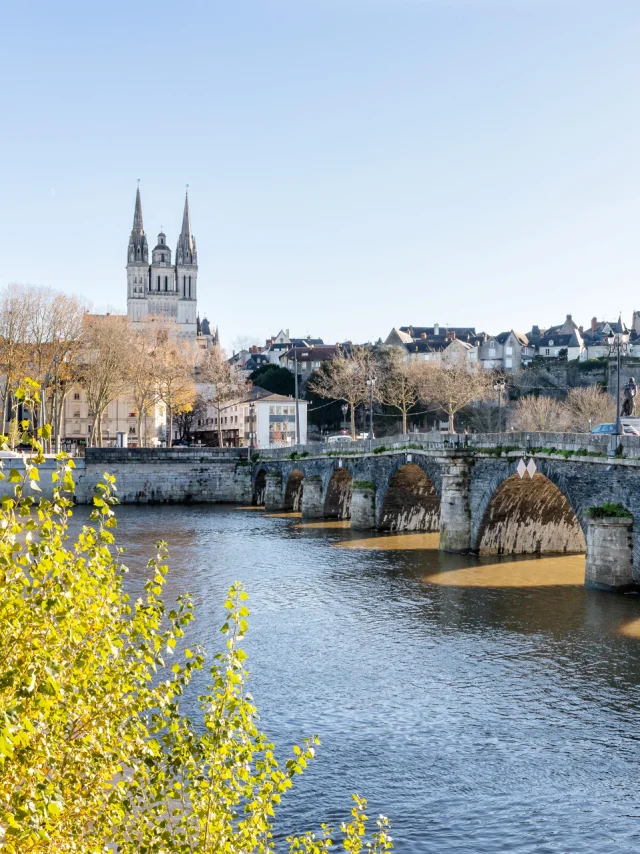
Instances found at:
x=485 y=706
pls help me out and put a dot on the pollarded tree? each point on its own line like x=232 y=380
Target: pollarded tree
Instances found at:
x=345 y=378
x=398 y=382
x=454 y=384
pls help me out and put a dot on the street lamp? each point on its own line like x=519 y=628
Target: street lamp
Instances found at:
x=618 y=342
x=345 y=409
x=371 y=384
x=500 y=385
x=252 y=415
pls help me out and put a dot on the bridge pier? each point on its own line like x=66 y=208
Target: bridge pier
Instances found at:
x=455 y=511
x=609 y=563
x=274 y=492
x=363 y=506
x=312 y=499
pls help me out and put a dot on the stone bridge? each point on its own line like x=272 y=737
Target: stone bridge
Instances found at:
x=470 y=491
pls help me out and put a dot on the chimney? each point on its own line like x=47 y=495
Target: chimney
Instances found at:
x=287 y=331
x=423 y=334
x=451 y=335
x=580 y=329
x=594 y=324
x=436 y=329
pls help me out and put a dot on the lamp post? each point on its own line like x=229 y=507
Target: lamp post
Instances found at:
x=500 y=385
x=618 y=342
x=345 y=409
x=295 y=368
x=252 y=415
x=371 y=384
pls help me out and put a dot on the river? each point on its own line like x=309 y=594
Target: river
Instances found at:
x=485 y=706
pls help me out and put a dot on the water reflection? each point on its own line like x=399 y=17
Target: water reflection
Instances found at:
x=536 y=572
x=481 y=717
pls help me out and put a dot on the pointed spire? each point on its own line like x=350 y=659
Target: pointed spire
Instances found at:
x=186 y=219
x=186 y=251
x=137 y=216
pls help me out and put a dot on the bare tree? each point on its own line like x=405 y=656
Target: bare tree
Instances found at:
x=345 y=378
x=144 y=372
x=454 y=384
x=103 y=370
x=588 y=406
x=176 y=386
x=14 y=320
x=398 y=382
x=224 y=382
x=540 y=414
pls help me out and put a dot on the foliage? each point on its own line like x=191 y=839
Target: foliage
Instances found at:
x=609 y=511
x=96 y=753
x=363 y=484
x=275 y=379
x=380 y=449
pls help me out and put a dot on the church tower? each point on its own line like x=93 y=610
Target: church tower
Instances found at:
x=187 y=274
x=137 y=266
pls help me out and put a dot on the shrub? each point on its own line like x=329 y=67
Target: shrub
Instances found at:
x=95 y=751
x=609 y=511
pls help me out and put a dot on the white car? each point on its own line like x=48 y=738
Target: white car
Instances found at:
x=340 y=438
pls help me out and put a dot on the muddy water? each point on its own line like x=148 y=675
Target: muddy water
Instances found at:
x=485 y=705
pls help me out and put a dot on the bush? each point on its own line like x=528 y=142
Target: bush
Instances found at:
x=95 y=751
x=609 y=511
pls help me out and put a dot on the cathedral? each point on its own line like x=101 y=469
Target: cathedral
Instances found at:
x=161 y=288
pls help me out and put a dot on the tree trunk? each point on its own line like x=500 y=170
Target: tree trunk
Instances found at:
x=5 y=398
x=451 y=425
x=98 y=437
x=139 y=427
x=62 y=396
x=170 y=438
x=219 y=428
x=353 y=421
x=404 y=422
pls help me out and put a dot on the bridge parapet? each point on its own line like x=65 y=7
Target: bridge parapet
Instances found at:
x=593 y=444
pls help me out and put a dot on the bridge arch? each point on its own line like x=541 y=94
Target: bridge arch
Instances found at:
x=337 y=494
x=410 y=501
x=529 y=516
x=259 y=487
x=293 y=491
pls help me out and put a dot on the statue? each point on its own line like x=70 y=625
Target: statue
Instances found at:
x=628 y=401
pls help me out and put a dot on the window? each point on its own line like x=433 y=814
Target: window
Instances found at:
x=189 y=287
x=547 y=352
x=76 y=395
x=508 y=363
x=508 y=350
x=166 y=283
x=162 y=257
x=76 y=413
x=158 y=282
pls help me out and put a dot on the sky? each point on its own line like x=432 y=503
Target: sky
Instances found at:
x=353 y=165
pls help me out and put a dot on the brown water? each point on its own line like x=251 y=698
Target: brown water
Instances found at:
x=485 y=705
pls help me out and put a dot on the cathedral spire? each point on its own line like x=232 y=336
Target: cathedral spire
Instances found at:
x=138 y=227
x=186 y=251
x=138 y=251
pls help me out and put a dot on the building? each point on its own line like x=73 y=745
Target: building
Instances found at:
x=560 y=341
x=436 y=343
x=163 y=288
x=307 y=360
x=271 y=417
x=508 y=351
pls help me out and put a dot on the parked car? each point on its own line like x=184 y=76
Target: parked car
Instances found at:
x=610 y=429
x=341 y=437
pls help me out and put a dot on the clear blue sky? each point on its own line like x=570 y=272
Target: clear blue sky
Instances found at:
x=353 y=164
